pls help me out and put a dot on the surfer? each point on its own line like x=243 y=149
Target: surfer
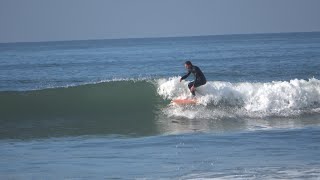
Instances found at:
x=200 y=79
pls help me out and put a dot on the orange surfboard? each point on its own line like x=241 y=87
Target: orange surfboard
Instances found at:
x=184 y=101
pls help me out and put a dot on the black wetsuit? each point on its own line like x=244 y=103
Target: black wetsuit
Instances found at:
x=200 y=79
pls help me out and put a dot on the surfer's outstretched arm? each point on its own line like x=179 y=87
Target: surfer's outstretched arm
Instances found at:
x=185 y=76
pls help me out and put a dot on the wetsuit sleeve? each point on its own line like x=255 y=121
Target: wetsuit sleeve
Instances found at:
x=185 y=76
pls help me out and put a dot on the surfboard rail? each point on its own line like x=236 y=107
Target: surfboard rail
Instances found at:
x=184 y=101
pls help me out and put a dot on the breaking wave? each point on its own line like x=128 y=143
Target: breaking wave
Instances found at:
x=218 y=99
x=142 y=107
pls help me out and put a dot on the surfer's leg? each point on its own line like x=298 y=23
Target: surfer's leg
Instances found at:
x=190 y=85
x=197 y=84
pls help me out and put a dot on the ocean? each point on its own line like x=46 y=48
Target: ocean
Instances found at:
x=101 y=109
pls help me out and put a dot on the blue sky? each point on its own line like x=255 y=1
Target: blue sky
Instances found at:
x=56 y=20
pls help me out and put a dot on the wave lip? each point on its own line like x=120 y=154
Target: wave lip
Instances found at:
x=277 y=98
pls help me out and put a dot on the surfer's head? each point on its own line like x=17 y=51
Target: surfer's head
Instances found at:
x=188 y=64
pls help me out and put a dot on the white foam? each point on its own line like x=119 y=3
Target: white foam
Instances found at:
x=173 y=88
x=277 y=98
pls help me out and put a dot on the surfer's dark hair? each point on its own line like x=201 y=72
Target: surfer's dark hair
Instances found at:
x=188 y=63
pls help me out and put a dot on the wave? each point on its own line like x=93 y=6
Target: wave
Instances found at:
x=142 y=107
x=113 y=107
x=277 y=98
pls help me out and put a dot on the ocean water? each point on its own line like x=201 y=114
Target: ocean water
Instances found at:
x=100 y=109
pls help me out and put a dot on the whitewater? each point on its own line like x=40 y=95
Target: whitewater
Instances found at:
x=277 y=98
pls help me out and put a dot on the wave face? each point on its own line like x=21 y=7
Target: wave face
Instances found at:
x=219 y=99
x=142 y=107
x=115 y=107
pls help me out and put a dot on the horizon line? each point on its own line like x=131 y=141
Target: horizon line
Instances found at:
x=159 y=37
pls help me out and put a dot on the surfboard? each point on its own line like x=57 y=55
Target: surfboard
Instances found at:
x=184 y=101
